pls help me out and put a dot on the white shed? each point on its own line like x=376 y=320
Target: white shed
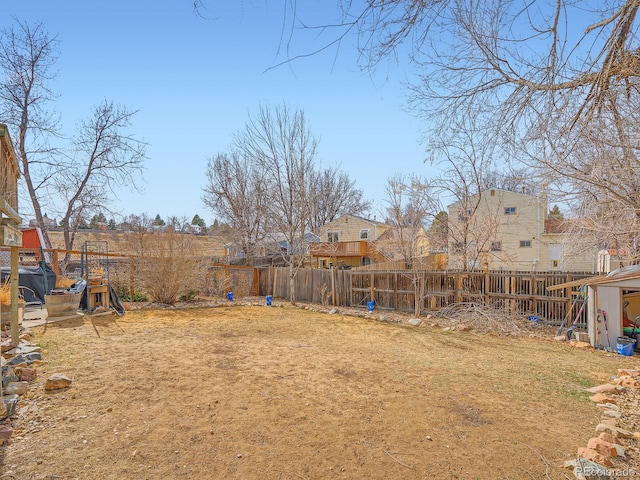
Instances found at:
x=613 y=304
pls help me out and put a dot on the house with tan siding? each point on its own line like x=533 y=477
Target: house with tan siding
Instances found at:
x=347 y=242
x=503 y=230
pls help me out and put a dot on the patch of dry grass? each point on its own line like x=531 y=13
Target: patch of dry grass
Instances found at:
x=259 y=392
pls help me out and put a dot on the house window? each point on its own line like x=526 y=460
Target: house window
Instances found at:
x=332 y=237
x=510 y=210
x=496 y=246
x=525 y=243
x=364 y=234
x=458 y=247
x=555 y=264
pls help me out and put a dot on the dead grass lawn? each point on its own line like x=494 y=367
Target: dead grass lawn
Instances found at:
x=285 y=393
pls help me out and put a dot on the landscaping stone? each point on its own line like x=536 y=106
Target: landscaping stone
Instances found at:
x=628 y=382
x=7 y=345
x=26 y=374
x=9 y=375
x=612 y=414
x=602 y=447
x=594 y=456
x=606 y=388
x=33 y=356
x=600 y=398
x=17 y=388
x=56 y=382
x=24 y=349
x=11 y=402
x=619 y=450
x=605 y=428
x=5 y=432
x=17 y=359
x=415 y=322
x=584 y=469
x=607 y=437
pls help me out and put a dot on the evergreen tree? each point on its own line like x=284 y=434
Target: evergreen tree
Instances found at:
x=555 y=213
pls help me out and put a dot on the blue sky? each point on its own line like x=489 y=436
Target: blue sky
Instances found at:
x=195 y=80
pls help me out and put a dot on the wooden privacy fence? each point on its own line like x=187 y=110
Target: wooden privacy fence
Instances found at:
x=512 y=292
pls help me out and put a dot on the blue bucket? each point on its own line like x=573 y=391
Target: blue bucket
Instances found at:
x=230 y=296
x=625 y=346
x=268 y=298
x=370 y=306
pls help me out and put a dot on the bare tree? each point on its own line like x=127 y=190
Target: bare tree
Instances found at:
x=236 y=191
x=467 y=155
x=106 y=155
x=137 y=228
x=27 y=57
x=279 y=141
x=552 y=78
x=103 y=155
x=410 y=204
x=335 y=195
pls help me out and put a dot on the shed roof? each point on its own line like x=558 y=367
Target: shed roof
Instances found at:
x=624 y=273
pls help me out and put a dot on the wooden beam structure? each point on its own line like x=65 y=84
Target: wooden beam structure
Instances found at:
x=10 y=235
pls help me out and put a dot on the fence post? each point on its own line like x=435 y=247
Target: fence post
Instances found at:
x=56 y=266
x=333 y=287
x=513 y=290
x=533 y=309
x=371 y=287
x=486 y=288
x=275 y=279
x=132 y=276
x=256 y=282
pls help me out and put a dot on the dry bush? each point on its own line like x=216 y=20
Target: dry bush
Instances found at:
x=168 y=269
x=485 y=319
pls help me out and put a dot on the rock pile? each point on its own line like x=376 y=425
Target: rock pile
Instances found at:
x=608 y=453
x=19 y=363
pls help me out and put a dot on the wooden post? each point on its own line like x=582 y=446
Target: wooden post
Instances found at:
x=371 y=286
x=333 y=287
x=534 y=291
x=395 y=290
x=256 y=282
x=513 y=300
x=275 y=280
x=486 y=288
x=132 y=276
x=14 y=295
x=56 y=264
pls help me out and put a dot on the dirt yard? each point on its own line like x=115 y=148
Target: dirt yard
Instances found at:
x=256 y=392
